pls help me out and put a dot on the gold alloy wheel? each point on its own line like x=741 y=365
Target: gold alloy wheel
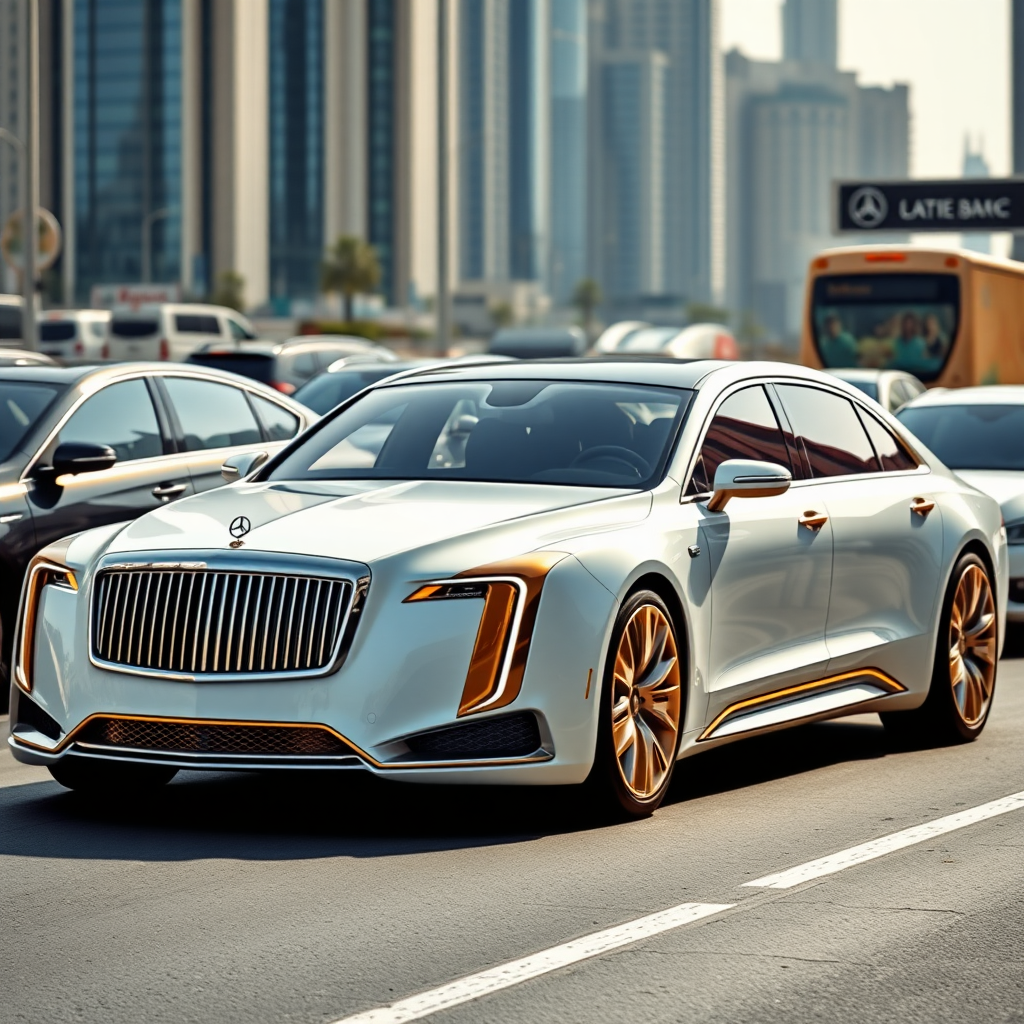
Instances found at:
x=645 y=701
x=972 y=645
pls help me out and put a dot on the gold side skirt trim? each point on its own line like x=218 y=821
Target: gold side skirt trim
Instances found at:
x=878 y=677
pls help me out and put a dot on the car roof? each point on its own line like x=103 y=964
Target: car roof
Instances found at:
x=989 y=394
x=852 y=374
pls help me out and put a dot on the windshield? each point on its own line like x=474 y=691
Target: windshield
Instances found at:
x=513 y=431
x=970 y=436
x=886 y=321
x=21 y=407
x=323 y=393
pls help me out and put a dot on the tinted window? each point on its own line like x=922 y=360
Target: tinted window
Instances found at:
x=830 y=431
x=323 y=393
x=120 y=415
x=133 y=328
x=869 y=387
x=196 y=323
x=598 y=435
x=970 y=437
x=891 y=453
x=238 y=332
x=21 y=407
x=744 y=427
x=255 y=365
x=57 y=330
x=303 y=365
x=212 y=415
x=10 y=321
x=279 y=423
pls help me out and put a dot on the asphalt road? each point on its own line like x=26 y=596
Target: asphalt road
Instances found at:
x=235 y=898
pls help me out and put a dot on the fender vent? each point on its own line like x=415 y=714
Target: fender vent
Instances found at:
x=507 y=736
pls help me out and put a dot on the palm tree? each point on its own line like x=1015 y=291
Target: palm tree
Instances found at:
x=587 y=297
x=351 y=268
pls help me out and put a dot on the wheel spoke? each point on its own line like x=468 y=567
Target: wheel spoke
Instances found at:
x=972 y=654
x=623 y=728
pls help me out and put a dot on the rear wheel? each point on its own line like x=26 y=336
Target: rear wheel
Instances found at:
x=640 y=710
x=102 y=778
x=964 y=675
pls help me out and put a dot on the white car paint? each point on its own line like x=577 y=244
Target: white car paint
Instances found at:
x=762 y=607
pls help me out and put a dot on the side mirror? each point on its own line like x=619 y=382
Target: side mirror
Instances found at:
x=238 y=466
x=747 y=478
x=82 y=457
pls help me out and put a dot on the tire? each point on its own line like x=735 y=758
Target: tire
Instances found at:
x=964 y=674
x=103 y=778
x=639 y=723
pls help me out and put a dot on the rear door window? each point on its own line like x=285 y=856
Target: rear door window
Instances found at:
x=212 y=415
x=829 y=431
x=121 y=416
x=891 y=453
x=744 y=427
x=133 y=328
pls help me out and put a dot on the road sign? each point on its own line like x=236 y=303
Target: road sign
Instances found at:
x=983 y=204
x=12 y=245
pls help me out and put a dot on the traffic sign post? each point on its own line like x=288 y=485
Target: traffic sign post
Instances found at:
x=983 y=204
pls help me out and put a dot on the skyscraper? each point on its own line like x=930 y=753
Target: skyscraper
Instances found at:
x=975 y=166
x=810 y=31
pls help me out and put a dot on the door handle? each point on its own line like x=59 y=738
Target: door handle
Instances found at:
x=922 y=506
x=169 y=490
x=814 y=521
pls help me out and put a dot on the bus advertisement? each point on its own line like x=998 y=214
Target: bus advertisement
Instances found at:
x=952 y=318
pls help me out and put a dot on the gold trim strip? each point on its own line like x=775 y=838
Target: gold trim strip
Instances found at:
x=806 y=689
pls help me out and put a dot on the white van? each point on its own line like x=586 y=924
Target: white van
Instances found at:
x=10 y=321
x=73 y=333
x=172 y=330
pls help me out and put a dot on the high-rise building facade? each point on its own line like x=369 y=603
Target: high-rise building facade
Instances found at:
x=810 y=31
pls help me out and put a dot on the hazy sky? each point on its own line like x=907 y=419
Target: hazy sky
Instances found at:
x=954 y=54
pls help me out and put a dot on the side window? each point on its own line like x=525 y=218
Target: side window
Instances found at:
x=120 y=415
x=828 y=427
x=237 y=331
x=893 y=456
x=279 y=423
x=744 y=427
x=305 y=366
x=196 y=323
x=212 y=415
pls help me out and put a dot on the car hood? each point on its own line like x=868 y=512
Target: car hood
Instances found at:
x=1005 y=486
x=359 y=521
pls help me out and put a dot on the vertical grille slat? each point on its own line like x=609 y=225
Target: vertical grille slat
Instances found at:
x=219 y=623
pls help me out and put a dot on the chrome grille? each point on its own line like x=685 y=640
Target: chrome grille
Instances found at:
x=217 y=623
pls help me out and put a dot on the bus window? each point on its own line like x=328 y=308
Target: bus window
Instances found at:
x=886 y=321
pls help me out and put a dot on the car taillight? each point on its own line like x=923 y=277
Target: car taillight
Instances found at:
x=283 y=386
x=79 y=349
x=165 y=349
x=105 y=351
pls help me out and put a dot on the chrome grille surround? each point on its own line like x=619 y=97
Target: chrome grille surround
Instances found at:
x=217 y=617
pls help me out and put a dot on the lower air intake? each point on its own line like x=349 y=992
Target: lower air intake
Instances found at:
x=508 y=736
x=213 y=738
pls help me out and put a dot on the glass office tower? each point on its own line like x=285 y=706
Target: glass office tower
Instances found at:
x=296 y=148
x=127 y=140
x=380 y=145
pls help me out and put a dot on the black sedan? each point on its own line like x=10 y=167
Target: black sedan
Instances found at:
x=86 y=446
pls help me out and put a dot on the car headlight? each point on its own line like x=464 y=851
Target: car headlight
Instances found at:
x=46 y=569
x=511 y=594
x=1015 y=532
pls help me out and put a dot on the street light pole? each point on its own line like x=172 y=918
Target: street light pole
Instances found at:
x=443 y=301
x=30 y=173
x=147 y=243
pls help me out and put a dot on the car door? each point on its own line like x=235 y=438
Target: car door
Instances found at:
x=212 y=420
x=147 y=474
x=770 y=559
x=886 y=529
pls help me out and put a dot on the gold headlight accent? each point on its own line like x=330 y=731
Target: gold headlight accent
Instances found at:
x=43 y=571
x=511 y=595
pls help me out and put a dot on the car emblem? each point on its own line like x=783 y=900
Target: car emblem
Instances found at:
x=868 y=207
x=239 y=527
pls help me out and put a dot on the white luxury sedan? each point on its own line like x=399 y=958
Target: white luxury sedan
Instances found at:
x=571 y=571
x=979 y=432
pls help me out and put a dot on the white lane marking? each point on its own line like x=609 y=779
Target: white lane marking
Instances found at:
x=887 y=844
x=483 y=983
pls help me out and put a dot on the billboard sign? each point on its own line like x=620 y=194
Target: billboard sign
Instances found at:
x=117 y=296
x=983 y=204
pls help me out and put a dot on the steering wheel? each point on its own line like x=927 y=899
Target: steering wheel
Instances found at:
x=615 y=453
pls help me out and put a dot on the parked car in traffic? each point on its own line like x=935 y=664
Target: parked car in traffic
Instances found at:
x=979 y=433
x=891 y=389
x=87 y=446
x=287 y=365
x=698 y=341
x=538 y=342
x=566 y=572
x=172 y=330
x=74 y=333
x=615 y=334
x=10 y=319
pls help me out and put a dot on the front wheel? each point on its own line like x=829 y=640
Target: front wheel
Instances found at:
x=640 y=710
x=964 y=674
x=103 y=778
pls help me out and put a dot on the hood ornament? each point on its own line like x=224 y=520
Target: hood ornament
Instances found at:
x=239 y=527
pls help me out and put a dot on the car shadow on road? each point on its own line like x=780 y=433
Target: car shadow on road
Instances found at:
x=288 y=816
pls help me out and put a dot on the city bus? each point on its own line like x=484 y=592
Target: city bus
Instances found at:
x=950 y=317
